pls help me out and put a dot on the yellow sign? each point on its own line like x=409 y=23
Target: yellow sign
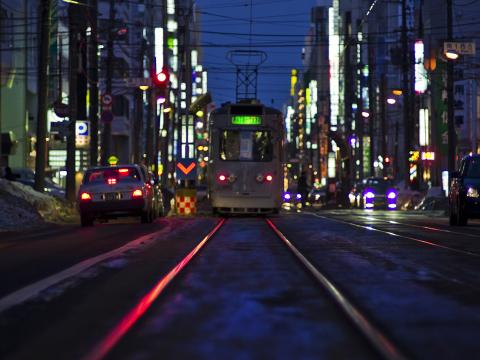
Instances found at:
x=414 y=156
x=293 y=82
x=113 y=160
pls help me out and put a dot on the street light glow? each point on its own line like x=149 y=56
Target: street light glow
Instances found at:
x=391 y=101
x=451 y=55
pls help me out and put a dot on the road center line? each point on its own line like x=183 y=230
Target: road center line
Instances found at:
x=33 y=290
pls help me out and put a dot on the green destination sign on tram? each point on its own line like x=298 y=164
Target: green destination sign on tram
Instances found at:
x=246 y=120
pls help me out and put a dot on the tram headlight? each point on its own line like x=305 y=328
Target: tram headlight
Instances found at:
x=259 y=178
x=232 y=178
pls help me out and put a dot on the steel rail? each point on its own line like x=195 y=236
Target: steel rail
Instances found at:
x=103 y=348
x=376 y=338
x=420 y=241
x=431 y=228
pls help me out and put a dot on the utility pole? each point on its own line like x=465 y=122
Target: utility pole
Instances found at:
x=452 y=136
x=383 y=120
x=1 y=82
x=166 y=116
x=72 y=99
x=188 y=81
x=42 y=90
x=93 y=75
x=372 y=96
x=107 y=126
x=138 y=124
x=406 y=93
x=150 y=92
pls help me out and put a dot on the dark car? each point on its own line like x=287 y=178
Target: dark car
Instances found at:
x=355 y=196
x=26 y=176
x=292 y=200
x=317 y=197
x=374 y=193
x=464 y=196
x=115 y=191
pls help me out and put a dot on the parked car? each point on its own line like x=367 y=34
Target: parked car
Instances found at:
x=356 y=195
x=26 y=176
x=115 y=191
x=464 y=195
x=373 y=193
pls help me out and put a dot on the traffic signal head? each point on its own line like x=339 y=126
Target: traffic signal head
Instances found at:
x=160 y=79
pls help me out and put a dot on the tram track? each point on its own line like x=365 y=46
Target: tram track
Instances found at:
x=430 y=228
x=379 y=341
x=399 y=236
x=384 y=346
x=103 y=348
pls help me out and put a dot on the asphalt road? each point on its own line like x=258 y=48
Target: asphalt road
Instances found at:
x=66 y=290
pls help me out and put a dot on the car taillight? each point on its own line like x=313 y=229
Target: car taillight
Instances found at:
x=85 y=196
x=137 y=193
x=123 y=171
x=111 y=181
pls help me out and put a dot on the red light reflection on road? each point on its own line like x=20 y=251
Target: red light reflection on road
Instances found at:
x=109 y=342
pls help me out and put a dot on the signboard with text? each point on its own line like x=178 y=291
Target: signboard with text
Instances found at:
x=461 y=48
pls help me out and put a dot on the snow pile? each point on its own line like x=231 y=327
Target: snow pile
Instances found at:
x=409 y=199
x=22 y=206
x=435 y=199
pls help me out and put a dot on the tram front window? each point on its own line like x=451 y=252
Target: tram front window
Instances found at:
x=240 y=145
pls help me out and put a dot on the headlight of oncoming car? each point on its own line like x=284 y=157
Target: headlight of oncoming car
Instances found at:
x=472 y=192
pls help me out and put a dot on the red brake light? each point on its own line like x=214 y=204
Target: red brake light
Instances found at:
x=137 y=193
x=85 y=196
x=269 y=178
x=111 y=181
x=123 y=171
x=222 y=178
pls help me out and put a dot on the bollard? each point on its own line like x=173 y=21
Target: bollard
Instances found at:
x=186 y=202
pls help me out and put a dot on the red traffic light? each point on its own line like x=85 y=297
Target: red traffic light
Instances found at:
x=161 y=78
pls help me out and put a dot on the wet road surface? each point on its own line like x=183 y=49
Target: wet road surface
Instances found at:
x=245 y=295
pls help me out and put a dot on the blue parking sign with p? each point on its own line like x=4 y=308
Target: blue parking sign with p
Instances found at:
x=83 y=128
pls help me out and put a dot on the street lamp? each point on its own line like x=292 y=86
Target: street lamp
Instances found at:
x=451 y=55
x=391 y=101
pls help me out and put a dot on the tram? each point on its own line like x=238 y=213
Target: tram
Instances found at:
x=245 y=171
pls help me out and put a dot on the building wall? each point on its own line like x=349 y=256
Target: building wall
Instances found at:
x=14 y=70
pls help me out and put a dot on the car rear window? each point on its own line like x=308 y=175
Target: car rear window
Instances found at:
x=114 y=175
x=473 y=168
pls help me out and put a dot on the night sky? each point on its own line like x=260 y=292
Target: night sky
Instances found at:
x=288 y=21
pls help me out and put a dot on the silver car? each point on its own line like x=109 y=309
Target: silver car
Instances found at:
x=115 y=191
